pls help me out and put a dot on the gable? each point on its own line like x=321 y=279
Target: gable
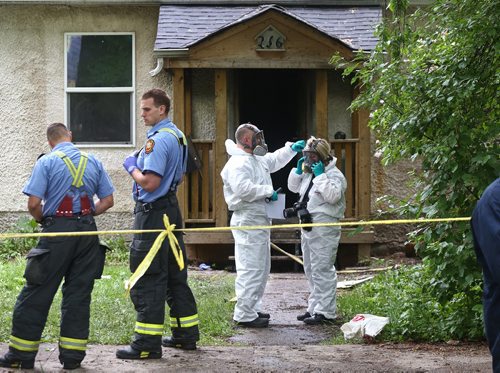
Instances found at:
x=180 y=27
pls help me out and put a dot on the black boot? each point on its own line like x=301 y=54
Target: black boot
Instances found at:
x=9 y=361
x=172 y=342
x=263 y=315
x=70 y=365
x=259 y=322
x=131 y=353
x=318 y=319
x=303 y=316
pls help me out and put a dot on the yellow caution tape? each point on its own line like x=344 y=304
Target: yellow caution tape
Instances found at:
x=250 y=227
x=146 y=262
x=174 y=244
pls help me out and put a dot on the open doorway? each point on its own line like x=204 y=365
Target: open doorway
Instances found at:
x=276 y=102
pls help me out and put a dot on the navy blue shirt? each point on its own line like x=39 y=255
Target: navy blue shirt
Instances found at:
x=51 y=179
x=162 y=155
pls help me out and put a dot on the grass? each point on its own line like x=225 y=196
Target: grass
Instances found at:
x=112 y=313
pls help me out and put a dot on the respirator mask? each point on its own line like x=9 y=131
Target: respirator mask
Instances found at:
x=259 y=146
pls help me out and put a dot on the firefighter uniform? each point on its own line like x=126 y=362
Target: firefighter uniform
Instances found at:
x=66 y=180
x=164 y=154
x=486 y=233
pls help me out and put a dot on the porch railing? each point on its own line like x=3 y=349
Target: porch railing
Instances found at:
x=346 y=153
x=201 y=192
x=201 y=185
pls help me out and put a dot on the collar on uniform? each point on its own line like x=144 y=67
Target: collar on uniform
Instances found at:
x=62 y=145
x=161 y=124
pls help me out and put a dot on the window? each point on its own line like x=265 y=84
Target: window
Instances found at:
x=99 y=85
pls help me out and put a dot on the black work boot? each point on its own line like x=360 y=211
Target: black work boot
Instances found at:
x=172 y=342
x=9 y=361
x=318 y=319
x=263 y=315
x=70 y=365
x=259 y=322
x=303 y=316
x=131 y=353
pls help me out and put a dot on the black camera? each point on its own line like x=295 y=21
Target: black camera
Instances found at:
x=299 y=209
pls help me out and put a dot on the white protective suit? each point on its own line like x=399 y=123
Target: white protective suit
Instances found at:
x=319 y=246
x=247 y=183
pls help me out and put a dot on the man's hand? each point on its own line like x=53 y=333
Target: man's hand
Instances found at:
x=318 y=168
x=130 y=163
x=298 y=146
x=274 y=196
x=300 y=163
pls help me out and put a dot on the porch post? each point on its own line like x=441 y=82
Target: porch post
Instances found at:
x=221 y=108
x=321 y=104
x=363 y=170
x=179 y=119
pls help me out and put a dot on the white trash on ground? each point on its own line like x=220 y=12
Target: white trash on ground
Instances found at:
x=363 y=325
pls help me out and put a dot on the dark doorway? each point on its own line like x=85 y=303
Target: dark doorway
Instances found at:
x=275 y=101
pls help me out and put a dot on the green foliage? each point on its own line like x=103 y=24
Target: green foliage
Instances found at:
x=118 y=252
x=432 y=87
x=112 y=317
x=13 y=247
x=404 y=296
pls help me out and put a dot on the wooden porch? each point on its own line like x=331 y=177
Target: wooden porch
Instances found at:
x=224 y=54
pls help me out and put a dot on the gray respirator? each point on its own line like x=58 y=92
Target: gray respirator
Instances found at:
x=259 y=144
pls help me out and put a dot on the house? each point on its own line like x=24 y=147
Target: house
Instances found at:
x=86 y=63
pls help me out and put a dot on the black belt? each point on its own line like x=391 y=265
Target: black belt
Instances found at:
x=162 y=202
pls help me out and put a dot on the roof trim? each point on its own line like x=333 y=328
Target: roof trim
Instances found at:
x=171 y=52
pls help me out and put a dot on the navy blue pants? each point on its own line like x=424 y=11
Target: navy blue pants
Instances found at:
x=163 y=281
x=486 y=232
x=77 y=260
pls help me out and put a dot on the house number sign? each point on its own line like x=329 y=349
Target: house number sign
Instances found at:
x=270 y=40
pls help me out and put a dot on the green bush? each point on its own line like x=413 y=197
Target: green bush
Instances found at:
x=404 y=296
x=14 y=247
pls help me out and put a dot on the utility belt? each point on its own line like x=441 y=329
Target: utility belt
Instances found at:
x=168 y=199
x=49 y=221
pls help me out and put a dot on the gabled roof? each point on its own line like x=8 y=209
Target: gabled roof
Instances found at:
x=182 y=26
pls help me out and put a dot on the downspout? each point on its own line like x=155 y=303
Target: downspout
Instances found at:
x=158 y=68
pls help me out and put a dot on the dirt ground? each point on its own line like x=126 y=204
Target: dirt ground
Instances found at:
x=287 y=345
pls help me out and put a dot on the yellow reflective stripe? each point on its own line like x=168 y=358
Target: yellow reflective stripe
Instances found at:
x=23 y=344
x=144 y=354
x=151 y=329
x=77 y=174
x=184 y=322
x=169 y=130
x=69 y=164
x=82 y=165
x=73 y=344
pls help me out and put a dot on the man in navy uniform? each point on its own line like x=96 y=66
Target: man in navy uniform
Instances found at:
x=486 y=233
x=66 y=180
x=157 y=170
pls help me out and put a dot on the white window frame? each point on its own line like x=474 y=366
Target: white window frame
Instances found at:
x=68 y=90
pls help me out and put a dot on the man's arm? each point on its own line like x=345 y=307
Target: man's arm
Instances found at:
x=35 y=208
x=148 y=181
x=103 y=204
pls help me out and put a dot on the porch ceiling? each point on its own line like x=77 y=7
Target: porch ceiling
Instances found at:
x=182 y=26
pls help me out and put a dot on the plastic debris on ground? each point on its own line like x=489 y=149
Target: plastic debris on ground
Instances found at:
x=364 y=325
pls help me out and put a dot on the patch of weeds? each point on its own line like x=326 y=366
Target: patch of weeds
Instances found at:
x=15 y=247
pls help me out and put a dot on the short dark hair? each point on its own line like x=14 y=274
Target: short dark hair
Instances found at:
x=57 y=131
x=159 y=97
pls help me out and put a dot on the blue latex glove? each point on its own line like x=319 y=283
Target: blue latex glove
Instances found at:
x=130 y=163
x=318 y=168
x=298 y=146
x=274 y=197
x=300 y=162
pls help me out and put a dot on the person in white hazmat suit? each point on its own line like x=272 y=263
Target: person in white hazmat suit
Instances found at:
x=247 y=184
x=321 y=186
